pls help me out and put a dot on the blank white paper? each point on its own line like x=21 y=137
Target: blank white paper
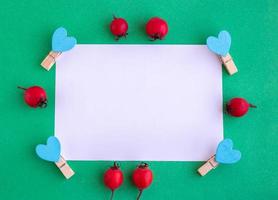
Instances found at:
x=139 y=102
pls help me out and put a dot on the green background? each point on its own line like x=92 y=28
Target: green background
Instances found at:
x=25 y=34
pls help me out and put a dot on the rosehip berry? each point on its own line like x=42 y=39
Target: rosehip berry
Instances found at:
x=157 y=28
x=142 y=178
x=35 y=96
x=238 y=107
x=113 y=178
x=119 y=27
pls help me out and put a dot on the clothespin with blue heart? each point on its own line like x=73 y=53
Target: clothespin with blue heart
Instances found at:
x=51 y=152
x=221 y=46
x=224 y=154
x=60 y=43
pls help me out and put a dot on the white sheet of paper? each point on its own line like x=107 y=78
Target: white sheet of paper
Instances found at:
x=139 y=102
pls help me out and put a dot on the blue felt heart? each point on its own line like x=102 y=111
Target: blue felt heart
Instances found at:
x=61 y=42
x=220 y=45
x=225 y=153
x=50 y=151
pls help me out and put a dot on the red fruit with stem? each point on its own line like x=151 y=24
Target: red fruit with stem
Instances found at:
x=157 y=28
x=238 y=107
x=35 y=96
x=142 y=178
x=119 y=27
x=113 y=178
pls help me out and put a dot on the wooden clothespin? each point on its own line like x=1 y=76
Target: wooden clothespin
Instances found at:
x=221 y=47
x=209 y=165
x=51 y=152
x=224 y=154
x=60 y=43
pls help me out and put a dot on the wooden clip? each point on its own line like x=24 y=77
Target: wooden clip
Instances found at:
x=208 y=166
x=64 y=167
x=229 y=64
x=50 y=59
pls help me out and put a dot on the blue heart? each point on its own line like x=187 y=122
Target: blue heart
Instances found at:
x=225 y=153
x=220 y=45
x=50 y=151
x=60 y=41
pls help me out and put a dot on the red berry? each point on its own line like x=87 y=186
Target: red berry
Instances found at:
x=113 y=178
x=35 y=96
x=238 y=107
x=157 y=28
x=142 y=178
x=119 y=27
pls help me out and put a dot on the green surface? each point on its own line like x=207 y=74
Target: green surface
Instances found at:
x=25 y=31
